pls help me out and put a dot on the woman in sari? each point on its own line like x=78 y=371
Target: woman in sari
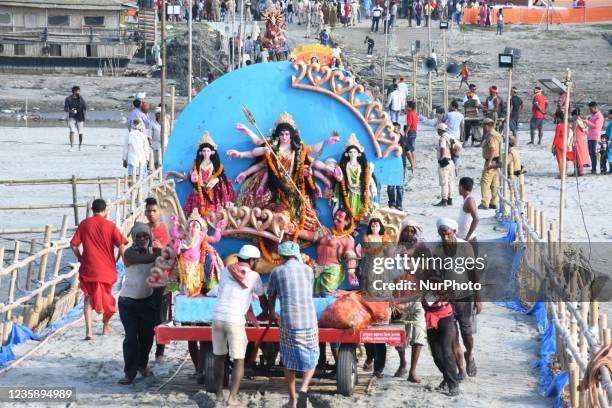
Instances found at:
x=581 y=148
x=482 y=14
x=557 y=146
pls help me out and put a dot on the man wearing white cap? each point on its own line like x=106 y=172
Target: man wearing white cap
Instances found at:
x=466 y=303
x=139 y=112
x=237 y=285
x=446 y=167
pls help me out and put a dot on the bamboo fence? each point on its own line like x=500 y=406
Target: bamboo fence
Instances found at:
x=548 y=269
x=74 y=204
x=39 y=290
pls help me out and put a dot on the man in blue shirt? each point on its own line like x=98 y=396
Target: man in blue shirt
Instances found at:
x=292 y=283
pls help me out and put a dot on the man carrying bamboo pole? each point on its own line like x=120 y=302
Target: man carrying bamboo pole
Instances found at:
x=97 y=272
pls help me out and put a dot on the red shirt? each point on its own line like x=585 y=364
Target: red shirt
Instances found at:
x=541 y=101
x=160 y=233
x=99 y=236
x=412 y=120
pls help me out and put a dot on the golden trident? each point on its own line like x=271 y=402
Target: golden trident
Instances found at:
x=286 y=175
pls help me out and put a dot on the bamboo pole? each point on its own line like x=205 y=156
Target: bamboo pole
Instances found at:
x=38 y=305
x=43 y=207
x=414 y=76
x=445 y=74
x=573 y=381
x=163 y=135
x=100 y=187
x=190 y=52
x=31 y=265
x=133 y=192
x=74 y=201
x=58 y=259
x=568 y=82
x=34 y=182
x=603 y=324
x=172 y=96
x=16 y=231
x=594 y=317
x=14 y=273
x=507 y=137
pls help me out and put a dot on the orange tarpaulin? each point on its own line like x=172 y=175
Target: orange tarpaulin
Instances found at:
x=524 y=15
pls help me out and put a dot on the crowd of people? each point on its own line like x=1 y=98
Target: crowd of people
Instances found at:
x=483 y=121
x=441 y=321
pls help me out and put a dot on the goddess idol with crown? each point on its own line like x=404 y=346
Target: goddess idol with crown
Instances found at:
x=193 y=249
x=358 y=184
x=281 y=173
x=212 y=190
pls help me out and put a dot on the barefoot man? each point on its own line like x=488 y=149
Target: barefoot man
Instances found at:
x=334 y=247
x=408 y=303
x=97 y=272
x=292 y=284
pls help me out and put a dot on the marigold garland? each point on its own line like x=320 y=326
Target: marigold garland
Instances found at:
x=385 y=238
x=298 y=179
x=267 y=256
x=337 y=233
x=376 y=250
x=203 y=211
x=366 y=200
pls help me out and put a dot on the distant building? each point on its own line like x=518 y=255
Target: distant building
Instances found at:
x=76 y=36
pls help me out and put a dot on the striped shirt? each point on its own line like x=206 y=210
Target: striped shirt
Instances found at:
x=292 y=283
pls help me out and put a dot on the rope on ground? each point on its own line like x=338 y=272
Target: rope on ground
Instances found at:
x=39 y=345
x=592 y=378
x=175 y=373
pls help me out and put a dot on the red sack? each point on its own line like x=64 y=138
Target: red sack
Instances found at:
x=347 y=312
x=378 y=310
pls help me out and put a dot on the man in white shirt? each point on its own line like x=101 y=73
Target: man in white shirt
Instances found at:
x=155 y=159
x=136 y=150
x=455 y=120
x=237 y=285
x=395 y=103
x=376 y=14
x=403 y=88
x=472 y=92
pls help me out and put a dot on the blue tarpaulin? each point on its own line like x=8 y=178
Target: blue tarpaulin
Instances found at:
x=549 y=386
x=21 y=333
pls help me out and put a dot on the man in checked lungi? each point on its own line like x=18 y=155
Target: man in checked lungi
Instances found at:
x=292 y=284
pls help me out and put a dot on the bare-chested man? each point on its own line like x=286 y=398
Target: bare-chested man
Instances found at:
x=334 y=247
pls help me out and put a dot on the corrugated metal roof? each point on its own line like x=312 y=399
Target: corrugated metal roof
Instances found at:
x=67 y=4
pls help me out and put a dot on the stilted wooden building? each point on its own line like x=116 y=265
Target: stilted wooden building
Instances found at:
x=78 y=36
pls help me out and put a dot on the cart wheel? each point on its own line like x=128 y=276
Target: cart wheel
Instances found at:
x=209 y=368
x=346 y=373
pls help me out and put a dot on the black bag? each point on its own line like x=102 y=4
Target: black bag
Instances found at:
x=444 y=162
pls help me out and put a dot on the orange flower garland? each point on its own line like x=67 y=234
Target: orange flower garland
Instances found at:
x=298 y=179
x=267 y=256
x=366 y=199
x=343 y=232
x=203 y=211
